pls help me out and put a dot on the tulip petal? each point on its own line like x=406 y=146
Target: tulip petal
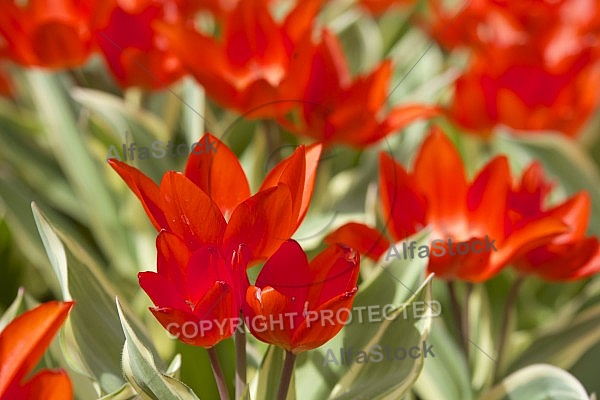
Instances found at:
x=219 y=174
x=266 y=308
x=26 y=338
x=48 y=385
x=487 y=198
x=208 y=324
x=146 y=191
x=298 y=172
x=288 y=272
x=332 y=272
x=313 y=334
x=404 y=205
x=441 y=176
x=362 y=238
x=527 y=238
x=300 y=20
x=205 y=267
x=262 y=223
x=161 y=291
x=290 y=172
x=172 y=257
x=400 y=117
x=190 y=212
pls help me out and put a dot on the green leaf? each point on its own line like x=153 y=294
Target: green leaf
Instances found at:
x=266 y=382
x=93 y=337
x=125 y=392
x=82 y=172
x=56 y=252
x=563 y=345
x=142 y=373
x=13 y=310
x=437 y=380
x=538 y=382
x=385 y=378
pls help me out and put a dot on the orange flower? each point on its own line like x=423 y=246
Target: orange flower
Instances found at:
x=51 y=34
x=22 y=344
x=339 y=109
x=135 y=52
x=292 y=303
x=437 y=194
x=532 y=23
x=194 y=291
x=515 y=89
x=533 y=67
x=567 y=257
x=253 y=61
x=210 y=204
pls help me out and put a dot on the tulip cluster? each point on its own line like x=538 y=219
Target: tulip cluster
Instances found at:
x=211 y=229
x=257 y=65
x=228 y=257
x=534 y=64
x=550 y=243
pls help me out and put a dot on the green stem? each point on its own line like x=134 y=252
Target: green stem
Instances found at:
x=508 y=310
x=240 y=362
x=286 y=375
x=465 y=320
x=454 y=303
x=218 y=373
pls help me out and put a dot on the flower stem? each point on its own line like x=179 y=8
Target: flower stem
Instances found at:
x=218 y=373
x=286 y=375
x=240 y=362
x=508 y=309
x=465 y=321
x=454 y=303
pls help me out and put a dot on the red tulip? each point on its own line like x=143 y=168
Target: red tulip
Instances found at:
x=291 y=300
x=50 y=34
x=516 y=90
x=567 y=257
x=194 y=291
x=254 y=59
x=533 y=67
x=135 y=52
x=339 y=109
x=210 y=204
x=437 y=194
x=22 y=344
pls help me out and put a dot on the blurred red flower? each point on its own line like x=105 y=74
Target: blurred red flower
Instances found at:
x=253 y=60
x=211 y=205
x=437 y=194
x=534 y=63
x=566 y=257
x=516 y=90
x=136 y=53
x=291 y=296
x=536 y=24
x=339 y=109
x=22 y=344
x=50 y=34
